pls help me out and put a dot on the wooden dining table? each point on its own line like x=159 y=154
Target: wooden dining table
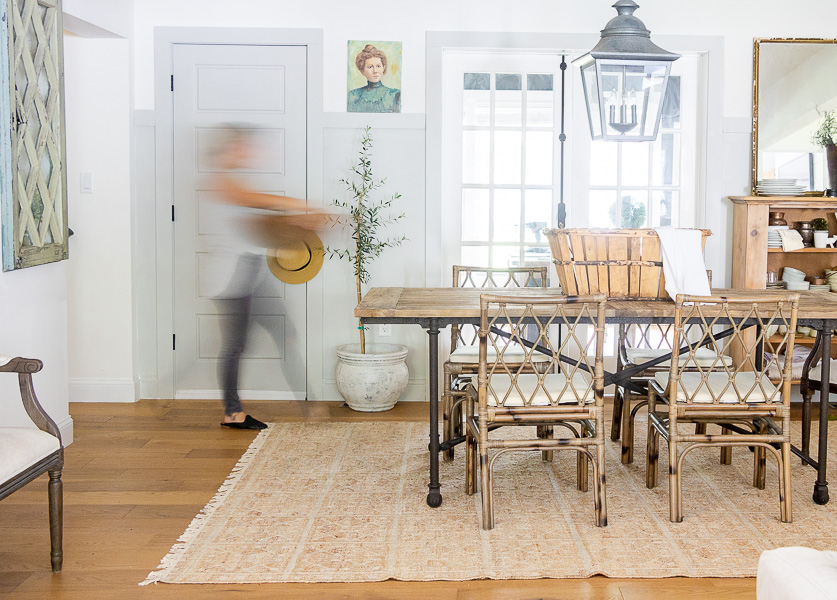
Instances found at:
x=435 y=308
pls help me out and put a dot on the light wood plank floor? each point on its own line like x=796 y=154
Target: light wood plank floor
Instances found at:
x=137 y=474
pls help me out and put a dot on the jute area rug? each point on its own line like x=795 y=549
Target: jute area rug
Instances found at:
x=345 y=502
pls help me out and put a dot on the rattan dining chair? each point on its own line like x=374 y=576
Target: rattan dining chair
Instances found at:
x=569 y=394
x=740 y=397
x=464 y=360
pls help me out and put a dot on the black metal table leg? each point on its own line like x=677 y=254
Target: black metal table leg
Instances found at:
x=821 y=486
x=434 y=497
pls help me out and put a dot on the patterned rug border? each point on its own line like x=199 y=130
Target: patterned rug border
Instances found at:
x=178 y=550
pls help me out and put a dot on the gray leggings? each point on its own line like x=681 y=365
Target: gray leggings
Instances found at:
x=237 y=325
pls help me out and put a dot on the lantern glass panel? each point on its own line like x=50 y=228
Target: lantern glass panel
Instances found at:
x=632 y=94
x=591 y=95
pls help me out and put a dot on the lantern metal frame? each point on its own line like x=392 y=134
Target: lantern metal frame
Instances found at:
x=625 y=42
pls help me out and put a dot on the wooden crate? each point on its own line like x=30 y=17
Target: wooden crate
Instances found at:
x=622 y=263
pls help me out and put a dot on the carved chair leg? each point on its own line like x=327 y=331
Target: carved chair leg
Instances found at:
x=55 y=489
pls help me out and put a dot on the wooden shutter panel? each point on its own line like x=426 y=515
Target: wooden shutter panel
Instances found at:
x=35 y=216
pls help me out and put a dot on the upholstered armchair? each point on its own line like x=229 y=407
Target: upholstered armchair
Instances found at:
x=28 y=452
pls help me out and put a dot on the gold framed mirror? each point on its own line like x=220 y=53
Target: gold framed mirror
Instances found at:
x=793 y=81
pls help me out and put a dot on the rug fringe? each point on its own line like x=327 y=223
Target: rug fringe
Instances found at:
x=184 y=541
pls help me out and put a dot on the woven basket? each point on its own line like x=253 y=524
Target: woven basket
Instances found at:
x=622 y=263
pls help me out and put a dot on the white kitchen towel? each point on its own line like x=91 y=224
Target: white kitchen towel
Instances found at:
x=683 y=266
x=791 y=240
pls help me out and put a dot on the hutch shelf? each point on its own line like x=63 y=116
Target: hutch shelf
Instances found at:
x=751 y=258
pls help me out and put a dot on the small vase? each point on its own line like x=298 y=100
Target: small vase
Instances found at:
x=777 y=218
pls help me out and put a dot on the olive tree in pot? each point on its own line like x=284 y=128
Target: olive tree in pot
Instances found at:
x=370 y=377
x=826 y=136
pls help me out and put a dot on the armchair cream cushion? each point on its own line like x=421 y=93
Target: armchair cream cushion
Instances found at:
x=22 y=447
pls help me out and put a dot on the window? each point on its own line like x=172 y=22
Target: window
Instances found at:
x=647 y=184
x=500 y=116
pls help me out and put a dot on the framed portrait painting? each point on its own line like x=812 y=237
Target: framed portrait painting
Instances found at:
x=374 y=82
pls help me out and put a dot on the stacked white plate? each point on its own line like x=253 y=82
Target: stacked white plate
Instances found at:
x=798 y=286
x=820 y=288
x=779 y=187
x=773 y=239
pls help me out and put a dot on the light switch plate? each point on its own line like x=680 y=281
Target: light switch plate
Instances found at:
x=86 y=183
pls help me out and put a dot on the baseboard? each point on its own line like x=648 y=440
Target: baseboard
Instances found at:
x=103 y=390
x=66 y=429
x=243 y=394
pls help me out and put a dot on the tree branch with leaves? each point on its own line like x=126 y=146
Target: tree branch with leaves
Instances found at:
x=366 y=217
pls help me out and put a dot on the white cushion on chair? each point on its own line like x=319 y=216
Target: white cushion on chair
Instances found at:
x=513 y=354
x=527 y=383
x=716 y=382
x=797 y=574
x=22 y=447
x=704 y=357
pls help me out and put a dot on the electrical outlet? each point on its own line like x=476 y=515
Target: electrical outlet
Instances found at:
x=385 y=330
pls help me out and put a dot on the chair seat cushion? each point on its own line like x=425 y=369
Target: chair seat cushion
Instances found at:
x=513 y=354
x=796 y=574
x=555 y=383
x=703 y=356
x=716 y=382
x=22 y=447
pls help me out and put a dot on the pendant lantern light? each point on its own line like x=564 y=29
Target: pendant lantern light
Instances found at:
x=625 y=79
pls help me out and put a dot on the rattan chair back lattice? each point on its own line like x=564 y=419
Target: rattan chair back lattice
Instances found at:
x=463 y=361
x=567 y=393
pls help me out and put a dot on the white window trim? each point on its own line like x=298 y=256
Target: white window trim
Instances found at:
x=710 y=156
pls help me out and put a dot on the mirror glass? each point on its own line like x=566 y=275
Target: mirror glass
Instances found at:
x=794 y=79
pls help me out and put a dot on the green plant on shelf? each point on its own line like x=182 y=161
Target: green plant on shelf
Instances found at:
x=819 y=224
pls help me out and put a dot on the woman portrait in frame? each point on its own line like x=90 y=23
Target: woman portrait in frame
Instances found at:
x=374 y=77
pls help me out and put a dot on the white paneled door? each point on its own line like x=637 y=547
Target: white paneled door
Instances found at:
x=263 y=87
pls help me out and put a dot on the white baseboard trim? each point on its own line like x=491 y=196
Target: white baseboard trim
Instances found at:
x=243 y=394
x=66 y=429
x=103 y=390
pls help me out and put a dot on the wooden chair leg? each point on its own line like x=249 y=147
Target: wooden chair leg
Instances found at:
x=785 y=493
x=726 y=451
x=807 y=394
x=55 y=489
x=581 y=467
x=447 y=415
x=601 y=485
x=627 y=432
x=760 y=463
x=546 y=432
x=486 y=490
x=675 y=503
x=618 y=408
x=652 y=453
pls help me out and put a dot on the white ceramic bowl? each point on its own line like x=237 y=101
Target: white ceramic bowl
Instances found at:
x=798 y=285
x=792 y=271
x=791 y=278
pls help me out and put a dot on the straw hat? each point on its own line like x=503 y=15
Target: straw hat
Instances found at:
x=297 y=256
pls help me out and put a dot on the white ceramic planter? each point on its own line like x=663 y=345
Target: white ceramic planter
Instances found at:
x=374 y=381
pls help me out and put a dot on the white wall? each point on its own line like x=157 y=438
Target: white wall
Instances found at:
x=735 y=23
x=738 y=22
x=97 y=82
x=100 y=18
